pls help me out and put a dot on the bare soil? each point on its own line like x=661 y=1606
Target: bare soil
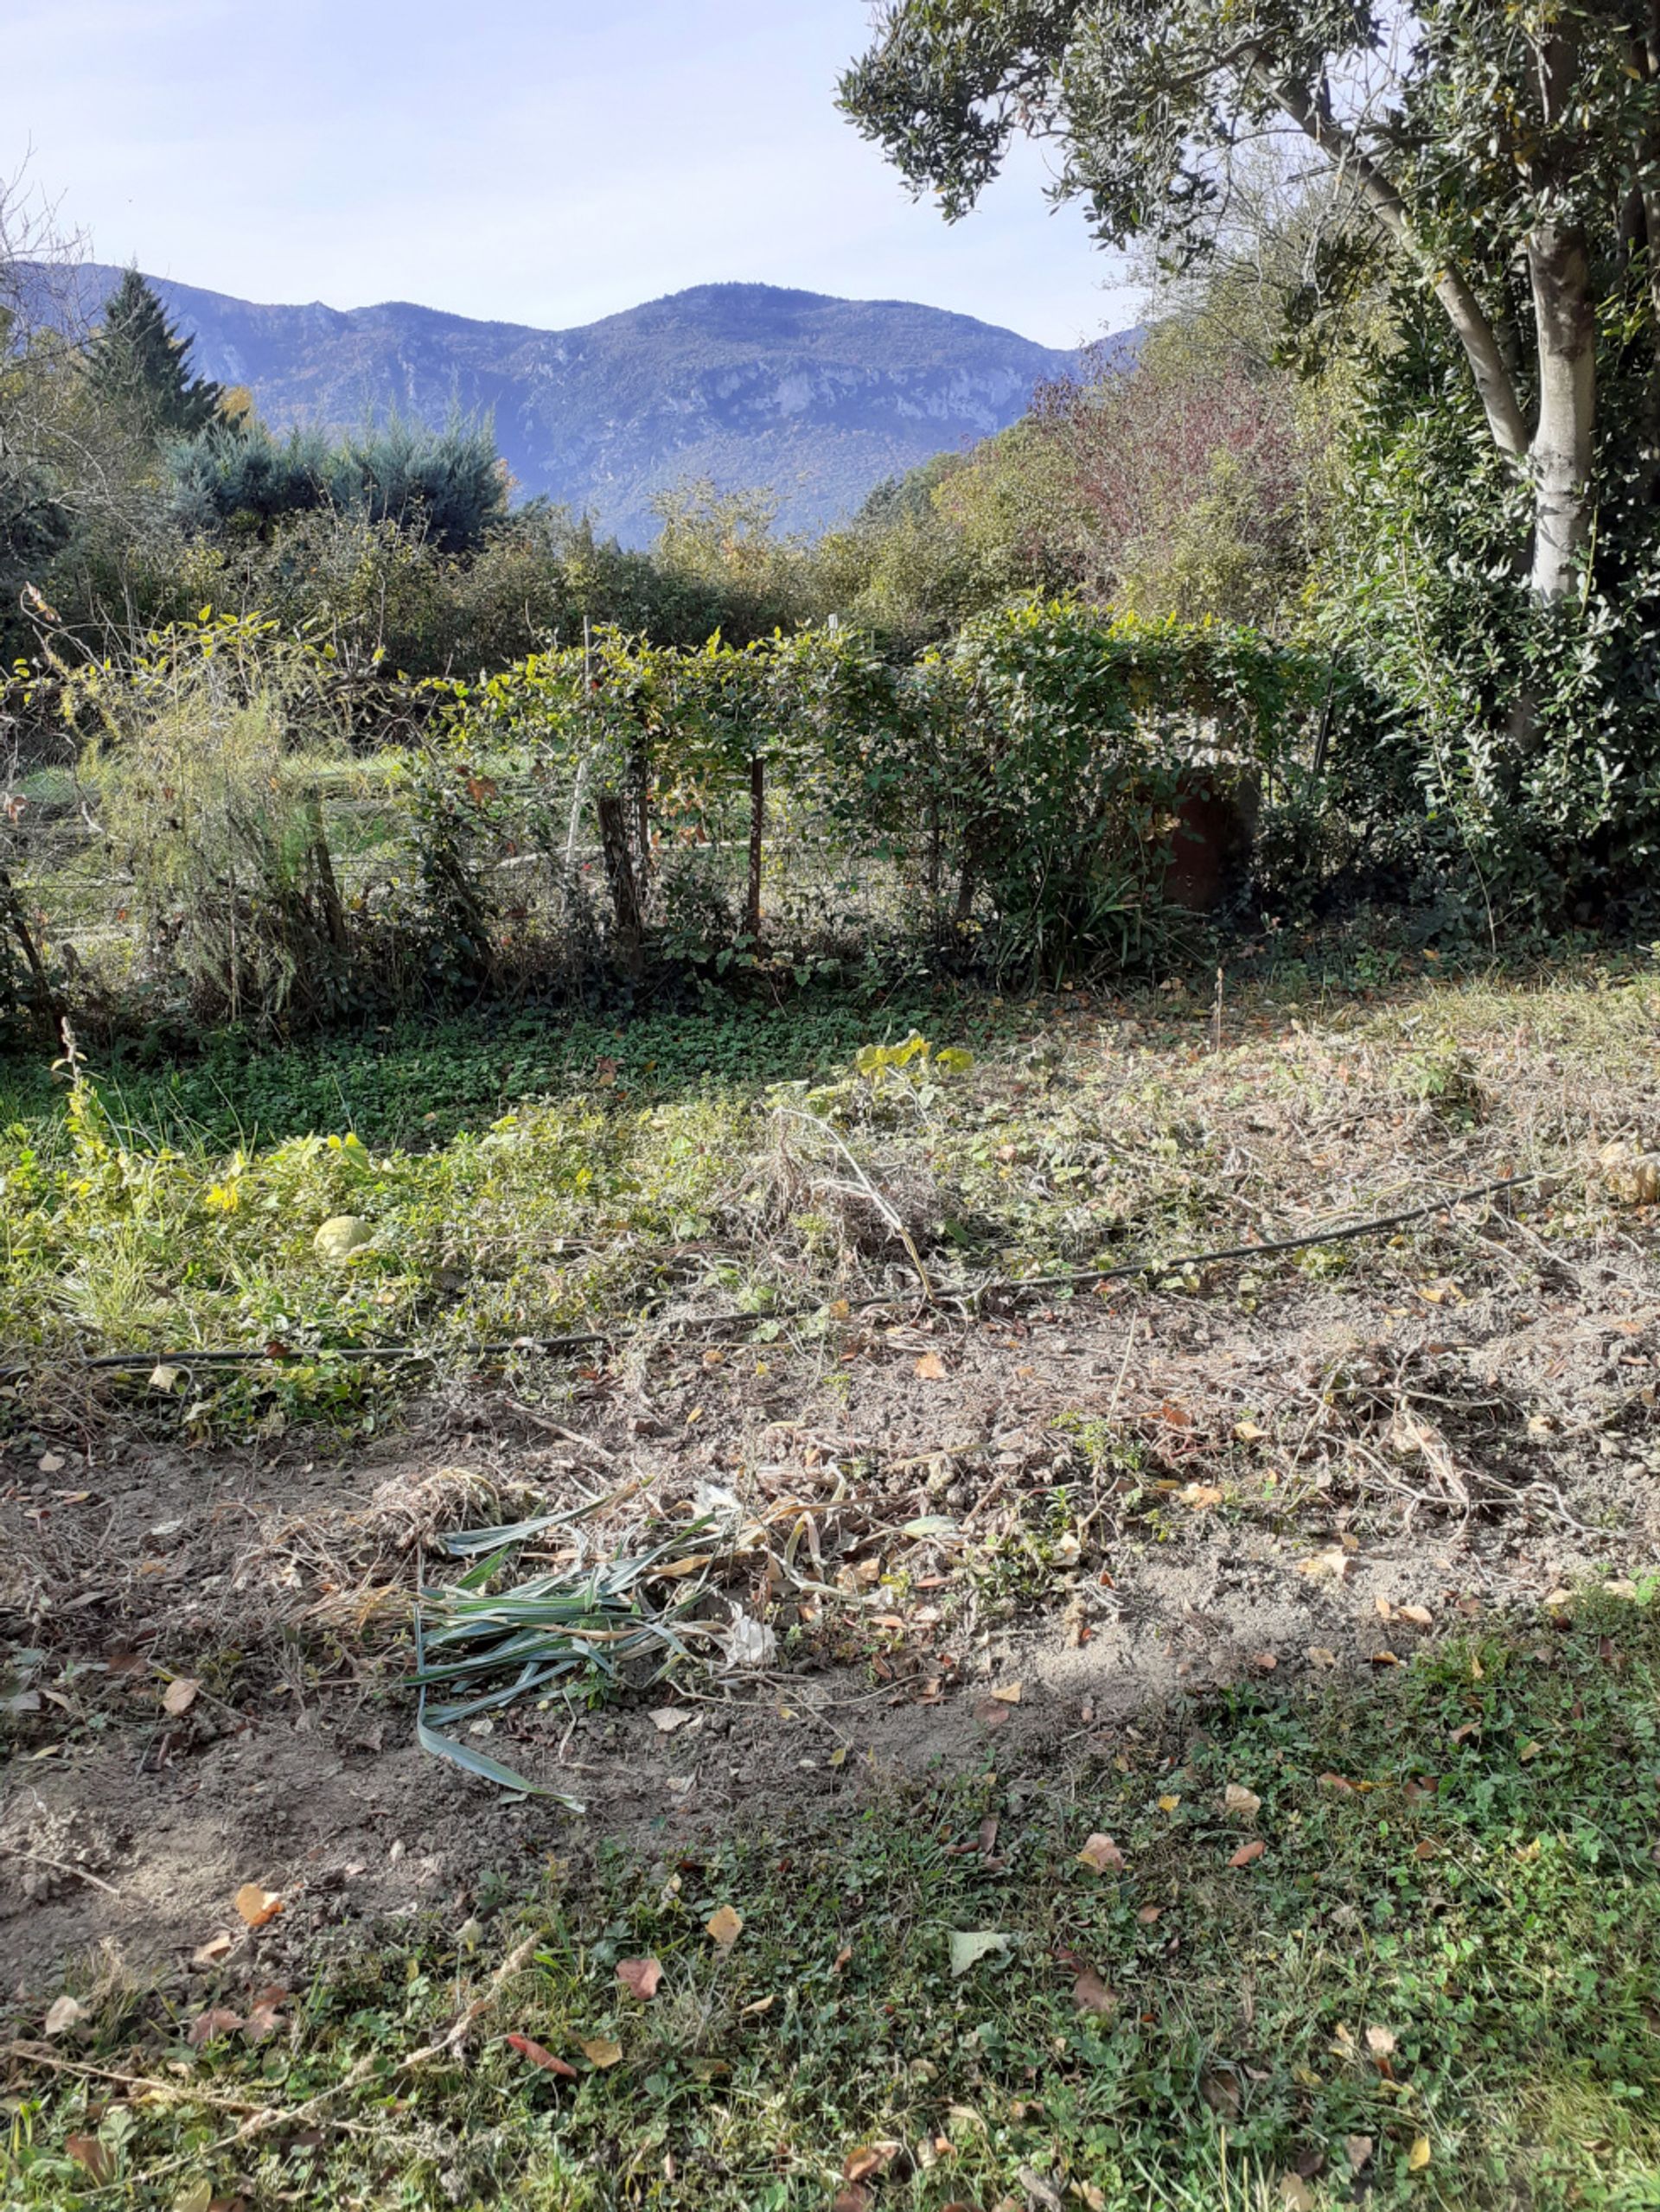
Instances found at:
x=1152 y=1495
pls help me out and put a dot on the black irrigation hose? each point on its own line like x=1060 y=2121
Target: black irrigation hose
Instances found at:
x=132 y=1362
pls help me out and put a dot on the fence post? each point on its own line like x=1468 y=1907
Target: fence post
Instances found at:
x=619 y=871
x=757 y=835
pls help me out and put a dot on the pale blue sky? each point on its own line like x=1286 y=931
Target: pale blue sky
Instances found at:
x=533 y=160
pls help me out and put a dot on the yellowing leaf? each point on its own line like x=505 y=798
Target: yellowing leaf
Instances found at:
x=725 y=1926
x=1167 y=1803
x=257 y=1906
x=1321 y=1656
x=600 y=2051
x=1418 y=2157
x=1008 y=1695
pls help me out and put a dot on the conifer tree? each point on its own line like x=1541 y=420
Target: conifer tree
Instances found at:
x=139 y=364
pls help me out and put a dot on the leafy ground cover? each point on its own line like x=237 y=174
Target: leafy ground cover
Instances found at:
x=1393 y=1942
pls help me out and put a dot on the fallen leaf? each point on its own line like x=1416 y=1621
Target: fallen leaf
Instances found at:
x=1380 y=2043
x=1264 y=1661
x=761 y=2005
x=257 y=1906
x=870 y=2159
x=1321 y=1656
x=95 y=2156
x=1175 y=1417
x=970 y=1946
x=1418 y=2157
x=1331 y=1565
x=841 y=1958
x=218 y=2020
x=1090 y=1994
x=990 y=1714
x=1008 y=1695
x=1385 y=1610
x=217 y=1947
x=725 y=1926
x=600 y=2051
x=639 y=1976
x=62 y=2016
x=1219 y=2087
x=538 y=2056
x=667 y=1718
x=1038 y=2192
x=1168 y=1802
x=1200 y=1495
x=1248 y=1854
x=180 y=1694
x=1358 y=2148
x=1102 y=1854
x=1295 y=2193
x=51 y=1462
x=1148 y=1914
x=931 y=1367
x=1529 y=1751
x=1248 y=1432
x=196 y=2197
x=852 y=2199
x=1420 y=1615
x=1237 y=1799
x=261 y=2023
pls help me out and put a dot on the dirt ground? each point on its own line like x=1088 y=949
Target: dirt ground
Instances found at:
x=1143 y=1496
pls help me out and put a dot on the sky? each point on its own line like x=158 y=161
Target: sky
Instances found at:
x=523 y=161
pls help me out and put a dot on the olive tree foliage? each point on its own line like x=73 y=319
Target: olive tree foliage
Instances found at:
x=1505 y=159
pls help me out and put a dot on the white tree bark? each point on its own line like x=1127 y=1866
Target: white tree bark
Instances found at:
x=1560 y=453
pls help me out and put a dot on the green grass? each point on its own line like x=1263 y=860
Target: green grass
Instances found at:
x=1459 y=1854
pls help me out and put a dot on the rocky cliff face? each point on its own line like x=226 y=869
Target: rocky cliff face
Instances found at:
x=817 y=398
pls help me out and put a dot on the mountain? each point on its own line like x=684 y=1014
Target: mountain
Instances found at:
x=817 y=398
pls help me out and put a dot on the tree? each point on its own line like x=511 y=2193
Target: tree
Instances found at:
x=138 y=363
x=1507 y=160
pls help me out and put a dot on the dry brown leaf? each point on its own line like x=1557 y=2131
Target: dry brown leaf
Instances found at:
x=1264 y=1661
x=1090 y=1994
x=990 y=1714
x=96 y=2158
x=180 y=1695
x=1248 y=1854
x=62 y=2015
x=1237 y=1799
x=639 y=1976
x=725 y=1926
x=931 y=1367
x=1295 y=2193
x=1380 y=2043
x=256 y=1906
x=1358 y=2148
x=600 y=2051
x=667 y=1718
x=868 y=2158
x=216 y=1948
x=1101 y=1855
x=1201 y=1496
x=218 y=2020
x=538 y=2054
x=761 y=2005
x=1420 y=1615
x=1009 y=1694
x=1320 y=1656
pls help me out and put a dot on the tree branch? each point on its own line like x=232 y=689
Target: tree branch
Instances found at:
x=1474 y=331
